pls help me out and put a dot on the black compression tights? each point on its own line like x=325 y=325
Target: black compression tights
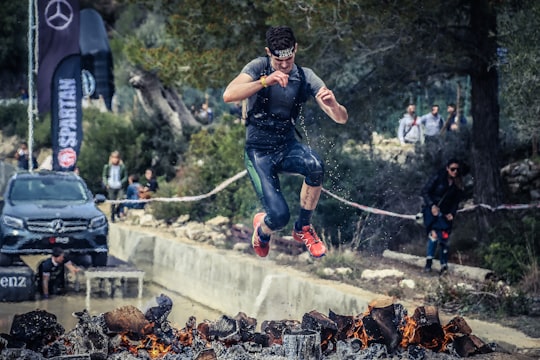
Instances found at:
x=263 y=168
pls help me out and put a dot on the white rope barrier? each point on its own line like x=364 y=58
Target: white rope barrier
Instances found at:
x=373 y=210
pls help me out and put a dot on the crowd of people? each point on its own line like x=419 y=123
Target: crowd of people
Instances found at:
x=414 y=129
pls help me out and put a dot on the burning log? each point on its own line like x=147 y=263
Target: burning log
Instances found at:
x=276 y=329
x=327 y=328
x=383 y=331
x=127 y=319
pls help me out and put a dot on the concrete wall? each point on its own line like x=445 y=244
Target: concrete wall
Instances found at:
x=230 y=282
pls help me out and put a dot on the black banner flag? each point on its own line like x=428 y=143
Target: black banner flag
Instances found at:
x=66 y=114
x=97 y=63
x=58 y=38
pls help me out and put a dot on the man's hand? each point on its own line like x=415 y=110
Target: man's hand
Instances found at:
x=277 y=77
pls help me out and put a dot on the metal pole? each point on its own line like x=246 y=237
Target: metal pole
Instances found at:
x=31 y=111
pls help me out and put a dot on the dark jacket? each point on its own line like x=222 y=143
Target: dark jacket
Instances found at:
x=438 y=192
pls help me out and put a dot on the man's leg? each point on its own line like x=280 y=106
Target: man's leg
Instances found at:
x=303 y=160
x=264 y=178
x=303 y=231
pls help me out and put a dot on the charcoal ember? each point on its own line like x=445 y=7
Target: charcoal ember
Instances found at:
x=247 y=326
x=344 y=324
x=36 y=328
x=318 y=322
x=20 y=354
x=57 y=348
x=206 y=354
x=160 y=312
x=260 y=339
x=275 y=329
x=127 y=319
x=468 y=345
x=225 y=329
x=8 y=341
x=347 y=349
x=88 y=337
x=416 y=352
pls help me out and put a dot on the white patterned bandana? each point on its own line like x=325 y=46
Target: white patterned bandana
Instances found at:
x=282 y=54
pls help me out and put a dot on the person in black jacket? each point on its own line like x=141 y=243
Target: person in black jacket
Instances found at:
x=441 y=195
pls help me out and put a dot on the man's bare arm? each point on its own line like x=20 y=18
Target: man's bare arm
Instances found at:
x=328 y=103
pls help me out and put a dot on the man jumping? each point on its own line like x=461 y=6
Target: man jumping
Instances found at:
x=276 y=88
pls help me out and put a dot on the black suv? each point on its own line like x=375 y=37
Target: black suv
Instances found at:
x=47 y=209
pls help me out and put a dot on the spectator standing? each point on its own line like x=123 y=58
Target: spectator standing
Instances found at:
x=454 y=120
x=409 y=130
x=22 y=157
x=432 y=122
x=114 y=177
x=51 y=278
x=276 y=89
x=442 y=194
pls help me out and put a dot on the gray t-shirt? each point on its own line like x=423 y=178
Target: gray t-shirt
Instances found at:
x=281 y=102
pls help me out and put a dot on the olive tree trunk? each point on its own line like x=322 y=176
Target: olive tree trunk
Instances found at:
x=156 y=99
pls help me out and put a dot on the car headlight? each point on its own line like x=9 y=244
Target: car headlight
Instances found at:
x=98 y=222
x=13 y=222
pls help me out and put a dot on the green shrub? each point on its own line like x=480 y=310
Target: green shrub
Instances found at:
x=214 y=155
x=515 y=247
x=14 y=119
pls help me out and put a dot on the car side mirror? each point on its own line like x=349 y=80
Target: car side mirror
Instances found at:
x=99 y=198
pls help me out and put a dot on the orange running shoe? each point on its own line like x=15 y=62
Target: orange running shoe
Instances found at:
x=261 y=247
x=309 y=237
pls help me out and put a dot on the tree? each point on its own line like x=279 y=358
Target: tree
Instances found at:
x=520 y=59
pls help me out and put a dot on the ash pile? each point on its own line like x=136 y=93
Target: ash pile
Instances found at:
x=383 y=331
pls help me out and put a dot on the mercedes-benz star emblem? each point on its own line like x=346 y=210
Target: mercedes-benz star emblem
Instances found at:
x=57 y=226
x=58 y=14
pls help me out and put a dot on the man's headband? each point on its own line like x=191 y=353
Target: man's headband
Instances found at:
x=281 y=54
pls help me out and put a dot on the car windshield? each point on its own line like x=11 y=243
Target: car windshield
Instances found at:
x=48 y=189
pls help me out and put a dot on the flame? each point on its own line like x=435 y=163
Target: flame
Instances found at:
x=409 y=332
x=154 y=347
x=150 y=343
x=358 y=331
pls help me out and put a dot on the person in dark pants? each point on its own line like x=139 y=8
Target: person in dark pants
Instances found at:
x=276 y=89
x=51 y=278
x=114 y=177
x=441 y=194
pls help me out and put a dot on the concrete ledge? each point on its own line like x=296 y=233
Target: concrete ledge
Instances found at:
x=231 y=282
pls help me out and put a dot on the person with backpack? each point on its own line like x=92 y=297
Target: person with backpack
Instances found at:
x=275 y=89
x=410 y=131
